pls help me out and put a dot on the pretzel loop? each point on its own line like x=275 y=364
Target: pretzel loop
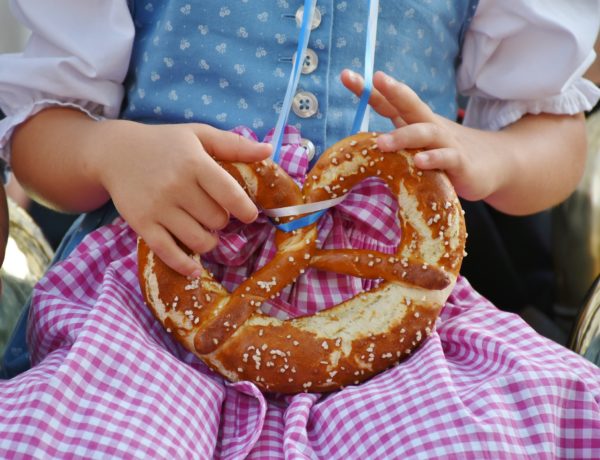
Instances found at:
x=351 y=341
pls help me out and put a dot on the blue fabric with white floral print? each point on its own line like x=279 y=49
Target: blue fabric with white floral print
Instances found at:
x=227 y=63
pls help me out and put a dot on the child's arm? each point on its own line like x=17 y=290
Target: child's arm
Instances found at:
x=161 y=178
x=529 y=166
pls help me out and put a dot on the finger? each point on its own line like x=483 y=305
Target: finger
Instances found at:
x=228 y=146
x=447 y=159
x=165 y=247
x=355 y=83
x=226 y=191
x=205 y=210
x=415 y=136
x=190 y=232
x=219 y=184
x=406 y=102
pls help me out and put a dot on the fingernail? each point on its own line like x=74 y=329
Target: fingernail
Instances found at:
x=352 y=74
x=422 y=159
x=384 y=141
x=254 y=217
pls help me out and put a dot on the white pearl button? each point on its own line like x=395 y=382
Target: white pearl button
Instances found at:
x=309 y=147
x=316 y=19
x=311 y=62
x=305 y=104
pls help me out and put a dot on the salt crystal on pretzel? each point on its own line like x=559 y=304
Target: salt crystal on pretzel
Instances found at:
x=345 y=344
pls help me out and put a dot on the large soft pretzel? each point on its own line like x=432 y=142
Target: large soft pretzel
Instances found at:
x=349 y=342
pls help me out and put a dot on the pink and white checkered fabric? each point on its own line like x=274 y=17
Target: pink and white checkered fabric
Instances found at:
x=365 y=219
x=108 y=382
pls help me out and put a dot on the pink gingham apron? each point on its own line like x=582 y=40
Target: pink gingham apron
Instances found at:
x=109 y=382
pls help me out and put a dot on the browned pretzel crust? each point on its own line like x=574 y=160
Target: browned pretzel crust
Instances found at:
x=349 y=342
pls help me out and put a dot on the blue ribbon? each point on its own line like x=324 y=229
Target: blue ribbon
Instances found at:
x=309 y=7
x=301 y=222
x=368 y=70
x=361 y=110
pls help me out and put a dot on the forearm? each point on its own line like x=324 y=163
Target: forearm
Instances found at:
x=56 y=156
x=537 y=162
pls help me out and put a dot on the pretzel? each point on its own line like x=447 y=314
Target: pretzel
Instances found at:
x=347 y=343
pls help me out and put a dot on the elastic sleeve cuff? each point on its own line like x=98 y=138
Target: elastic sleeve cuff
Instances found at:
x=8 y=124
x=493 y=114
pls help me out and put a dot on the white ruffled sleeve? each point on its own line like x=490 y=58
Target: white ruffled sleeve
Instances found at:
x=528 y=56
x=77 y=55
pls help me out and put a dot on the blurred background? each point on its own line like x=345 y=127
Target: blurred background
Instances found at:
x=12 y=36
x=12 y=40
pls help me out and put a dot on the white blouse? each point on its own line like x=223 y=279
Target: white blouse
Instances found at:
x=496 y=73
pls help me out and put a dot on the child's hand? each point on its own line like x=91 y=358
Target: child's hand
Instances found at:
x=466 y=155
x=165 y=183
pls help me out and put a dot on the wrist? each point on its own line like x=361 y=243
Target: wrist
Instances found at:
x=505 y=167
x=107 y=141
x=486 y=153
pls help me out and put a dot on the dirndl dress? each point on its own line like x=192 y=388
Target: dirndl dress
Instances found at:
x=109 y=382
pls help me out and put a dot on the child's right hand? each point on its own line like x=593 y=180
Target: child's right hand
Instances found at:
x=163 y=179
x=166 y=183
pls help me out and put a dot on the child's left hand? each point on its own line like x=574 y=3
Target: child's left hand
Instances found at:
x=446 y=144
